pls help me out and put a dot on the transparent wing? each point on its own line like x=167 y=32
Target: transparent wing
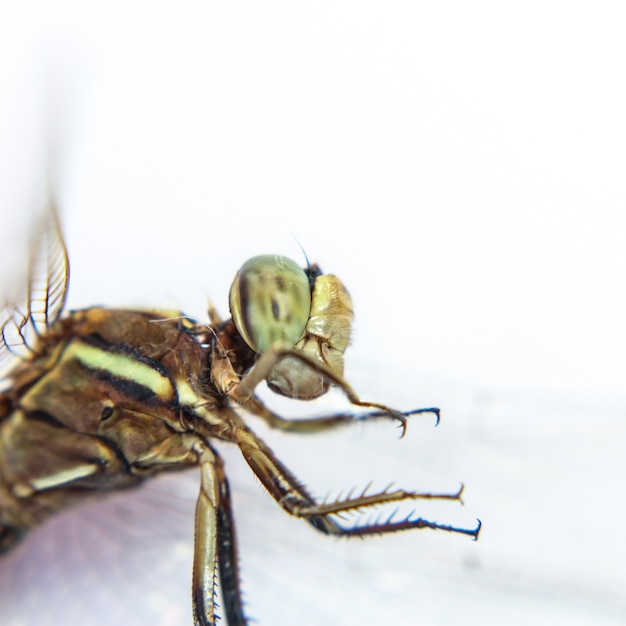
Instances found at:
x=33 y=309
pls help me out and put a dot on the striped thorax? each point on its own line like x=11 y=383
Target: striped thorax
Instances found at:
x=102 y=399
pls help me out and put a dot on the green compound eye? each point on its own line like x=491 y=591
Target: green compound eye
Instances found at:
x=270 y=301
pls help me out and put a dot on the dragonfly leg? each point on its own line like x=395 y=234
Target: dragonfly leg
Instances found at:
x=227 y=557
x=293 y=497
x=214 y=543
x=326 y=422
x=244 y=390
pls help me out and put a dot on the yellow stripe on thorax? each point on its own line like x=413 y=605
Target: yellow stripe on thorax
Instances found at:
x=123 y=366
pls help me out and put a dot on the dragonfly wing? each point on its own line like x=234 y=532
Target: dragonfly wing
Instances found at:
x=33 y=309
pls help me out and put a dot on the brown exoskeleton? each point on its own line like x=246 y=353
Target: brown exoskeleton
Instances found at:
x=100 y=399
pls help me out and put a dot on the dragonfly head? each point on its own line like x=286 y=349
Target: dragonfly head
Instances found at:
x=270 y=301
x=274 y=302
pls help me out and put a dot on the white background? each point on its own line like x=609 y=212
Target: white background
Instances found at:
x=461 y=167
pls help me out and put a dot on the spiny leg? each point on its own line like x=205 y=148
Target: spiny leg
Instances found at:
x=327 y=422
x=408 y=523
x=294 y=499
x=214 y=543
x=228 y=562
x=243 y=392
x=205 y=540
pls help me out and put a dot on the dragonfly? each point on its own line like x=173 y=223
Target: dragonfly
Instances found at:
x=101 y=399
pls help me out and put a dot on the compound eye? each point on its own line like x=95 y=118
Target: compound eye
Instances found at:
x=270 y=301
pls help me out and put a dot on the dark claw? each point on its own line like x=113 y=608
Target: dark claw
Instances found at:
x=433 y=409
x=477 y=530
